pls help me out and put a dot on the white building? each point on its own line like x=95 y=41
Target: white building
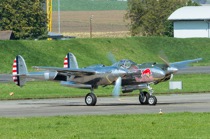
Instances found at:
x=191 y=22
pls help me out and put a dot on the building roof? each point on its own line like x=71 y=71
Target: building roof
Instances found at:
x=191 y=13
x=6 y=35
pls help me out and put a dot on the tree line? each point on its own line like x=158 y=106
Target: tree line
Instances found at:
x=28 y=20
x=149 y=17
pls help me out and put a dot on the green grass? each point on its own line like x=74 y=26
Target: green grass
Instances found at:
x=191 y=84
x=89 y=5
x=94 y=51
x=174 y=125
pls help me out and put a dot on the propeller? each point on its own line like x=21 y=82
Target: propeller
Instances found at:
x=169 y=68
x=117 y=88
x=164 y=58
x=111 y=58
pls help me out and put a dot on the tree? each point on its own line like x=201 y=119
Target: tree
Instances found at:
x=149 y=17
x=26 y=18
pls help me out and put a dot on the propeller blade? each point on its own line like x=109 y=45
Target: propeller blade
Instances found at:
x=171 y=78
x=164 y=58
x=165 y=61
x=111 y=57
x=117 y=87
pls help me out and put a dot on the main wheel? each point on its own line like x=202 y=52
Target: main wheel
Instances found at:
x=143 y=97
x=152 y=100
x=90 y=99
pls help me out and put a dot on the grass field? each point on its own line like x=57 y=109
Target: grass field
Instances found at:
x=174 y=125
x=94 y=51
x=89 y=5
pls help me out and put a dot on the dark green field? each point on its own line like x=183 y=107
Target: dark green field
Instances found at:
x=89 y=5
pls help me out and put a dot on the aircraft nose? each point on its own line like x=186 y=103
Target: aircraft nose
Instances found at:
x=172 y=69
x=158 y=73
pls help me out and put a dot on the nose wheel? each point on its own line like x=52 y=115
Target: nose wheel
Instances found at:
x=147 y=98
x=143 y=97
x=152 y=100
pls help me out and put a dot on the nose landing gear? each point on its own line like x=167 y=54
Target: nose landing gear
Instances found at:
x=147 y=98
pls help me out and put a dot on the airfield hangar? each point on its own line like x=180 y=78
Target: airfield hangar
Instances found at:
x=191 y=22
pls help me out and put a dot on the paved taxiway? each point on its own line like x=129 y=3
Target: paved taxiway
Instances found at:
x=105 y=106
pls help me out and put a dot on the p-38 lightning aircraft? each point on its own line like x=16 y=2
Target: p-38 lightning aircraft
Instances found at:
x=124 y=74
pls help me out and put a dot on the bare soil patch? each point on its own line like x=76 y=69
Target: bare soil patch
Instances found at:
x=103 y=22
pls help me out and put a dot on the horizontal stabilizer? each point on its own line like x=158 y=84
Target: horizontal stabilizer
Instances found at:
x=75 y=85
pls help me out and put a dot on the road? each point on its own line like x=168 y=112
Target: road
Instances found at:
x=105 y=106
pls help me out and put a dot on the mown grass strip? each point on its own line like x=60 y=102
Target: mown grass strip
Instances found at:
x=173 y=125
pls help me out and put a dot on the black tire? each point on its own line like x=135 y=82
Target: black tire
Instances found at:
x=90 y=99
x=152 y=100
x=143 y=97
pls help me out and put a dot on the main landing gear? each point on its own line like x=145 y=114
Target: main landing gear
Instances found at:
x=90 y=99
x=146 y=98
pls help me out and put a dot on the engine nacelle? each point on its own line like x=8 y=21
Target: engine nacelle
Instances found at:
x=168 y=77
x=127 y=90
x=131 y=88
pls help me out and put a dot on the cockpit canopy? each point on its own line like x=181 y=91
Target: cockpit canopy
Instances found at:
x=125 y=63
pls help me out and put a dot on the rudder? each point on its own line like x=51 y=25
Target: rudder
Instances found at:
x=70 y=61
x=19 y=71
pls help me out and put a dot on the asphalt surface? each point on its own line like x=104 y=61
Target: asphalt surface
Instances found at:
x=105 y=106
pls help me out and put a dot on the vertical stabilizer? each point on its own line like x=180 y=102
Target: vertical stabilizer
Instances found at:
x=70 y=61
x=19 y=71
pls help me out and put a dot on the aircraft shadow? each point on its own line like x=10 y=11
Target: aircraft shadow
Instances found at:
x=80 y=104
x=132 y=104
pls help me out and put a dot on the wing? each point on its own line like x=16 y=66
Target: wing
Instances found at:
x=184 y=64
x=68 y=71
